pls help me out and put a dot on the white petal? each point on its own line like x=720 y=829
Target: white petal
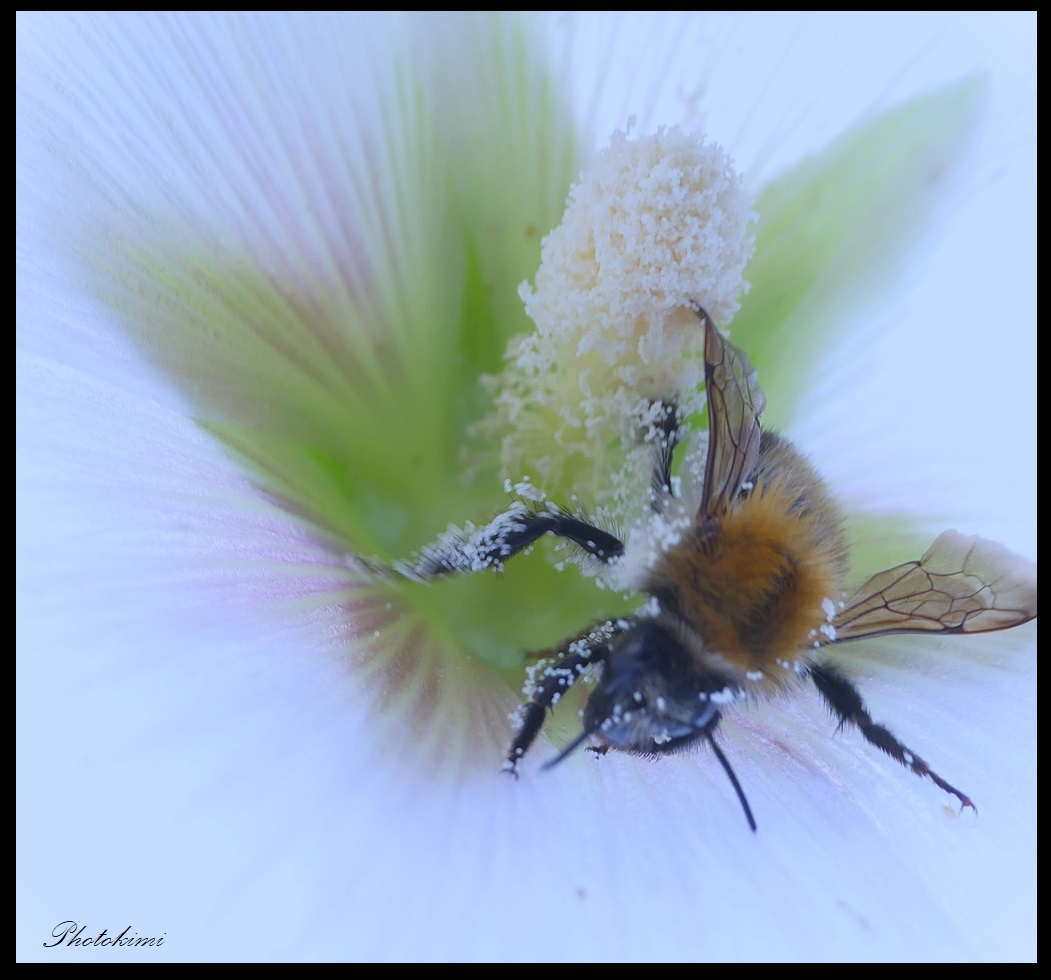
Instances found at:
x=202 y=776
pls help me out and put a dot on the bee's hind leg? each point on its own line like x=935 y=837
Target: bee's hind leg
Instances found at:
x=664 y=434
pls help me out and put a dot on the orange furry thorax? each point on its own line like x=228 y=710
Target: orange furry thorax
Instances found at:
x=755 y=583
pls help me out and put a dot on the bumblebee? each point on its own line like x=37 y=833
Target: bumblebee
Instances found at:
x=745 y=594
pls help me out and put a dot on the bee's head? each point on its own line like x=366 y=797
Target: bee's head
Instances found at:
x=650 y=697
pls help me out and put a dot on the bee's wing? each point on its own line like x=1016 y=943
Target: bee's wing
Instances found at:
x=961 y=585
x=735 y=402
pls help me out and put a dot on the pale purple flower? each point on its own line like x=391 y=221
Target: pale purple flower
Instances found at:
x=237 y=238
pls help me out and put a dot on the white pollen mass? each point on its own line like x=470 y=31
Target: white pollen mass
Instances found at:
x=655 y=226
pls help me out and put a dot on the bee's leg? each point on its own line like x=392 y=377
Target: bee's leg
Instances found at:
x=504 y=537
x=665 y=436
x=547 y=686
x=844 y=699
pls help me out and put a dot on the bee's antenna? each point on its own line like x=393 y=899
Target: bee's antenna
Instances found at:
x=573 y=746
x=733 y=779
